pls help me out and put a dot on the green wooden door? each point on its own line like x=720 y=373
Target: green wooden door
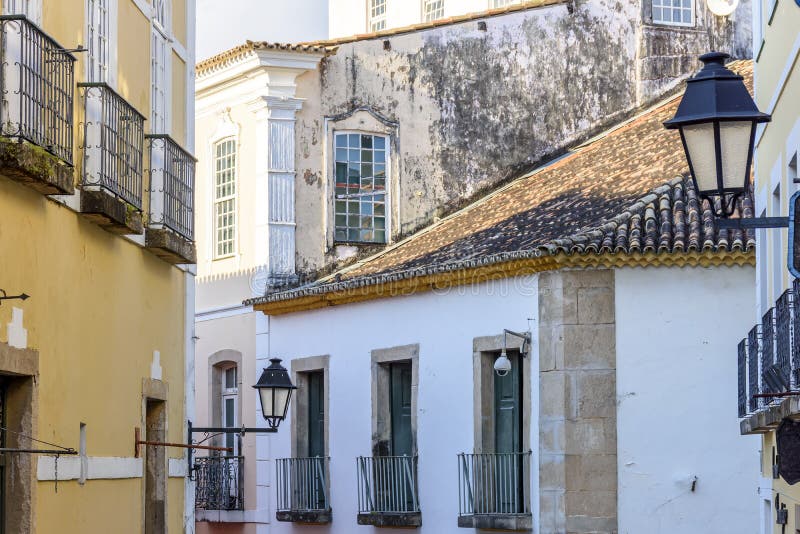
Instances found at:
x=316 y=438
x=316 y=414
x=506 y=467
x=401 y=409
x=399 y=482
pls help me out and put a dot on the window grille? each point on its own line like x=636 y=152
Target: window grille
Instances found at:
x=160 y=12
x=360 y=203
x=97 y=38
x=29 y=8
x=432 y=10
x=224 y=198
x=377 y=15
x=673 y=12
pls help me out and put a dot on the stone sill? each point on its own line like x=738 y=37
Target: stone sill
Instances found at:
x=505 y=522
x=36 y=168
x=381 y=519
x=308 y=517
x=169 y=246
x=768 y=418
x=111 y=213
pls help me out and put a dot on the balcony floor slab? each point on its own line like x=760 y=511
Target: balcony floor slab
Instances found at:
x=391 y=519
x=505 y=522
x=170 y=246
x=36 y=168
x=111 y=213
x=309 y=517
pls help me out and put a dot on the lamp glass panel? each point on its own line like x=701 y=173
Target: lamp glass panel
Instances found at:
x=281 y=401
x=735 y=141
x=702 y=154
x=266 y=401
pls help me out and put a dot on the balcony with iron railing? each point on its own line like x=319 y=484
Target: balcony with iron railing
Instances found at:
x=112 y=186
x=768 y=362
x=494 y=491
x=302 y=490
x=170 y=226
x=219 y=483
x=36 y=112
x=388 y=491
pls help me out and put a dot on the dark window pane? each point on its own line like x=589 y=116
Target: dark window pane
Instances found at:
x=366 y=221
x=366 y=141
x=341 y=220
x=366 y=155
x=380 y=209
x=341 y=206
x=380 y=222
x=341 y=173
x=352 y=235
x=380 y=236
x=341 y=235
x=366 y=183
x=366 y=169
x=353 y=221
x=352 y=207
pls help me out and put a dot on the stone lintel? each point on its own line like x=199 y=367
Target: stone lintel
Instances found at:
x=308 y=517
x=502 y=522
x=399 y=520
x=111 y=213
x=36 y=168
x=169 y=246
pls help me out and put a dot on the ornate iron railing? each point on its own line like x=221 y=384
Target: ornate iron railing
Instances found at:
x=37 y=84
x=302 y=484
x=768 y=360
x=387 y=484
x=171 y=186
x=493 y=484
x=219 y=483
x=113 y=141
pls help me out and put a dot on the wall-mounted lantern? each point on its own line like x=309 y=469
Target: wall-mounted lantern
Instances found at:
x=717 y=119
x=275 y=392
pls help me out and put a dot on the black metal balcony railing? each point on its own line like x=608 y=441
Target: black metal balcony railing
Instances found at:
x=113 y=141
x=493 y=484
x=768 y=359
x=171 y=186
x=36 y=83
x=302 y=484
x=387 y=484
x=219 y=483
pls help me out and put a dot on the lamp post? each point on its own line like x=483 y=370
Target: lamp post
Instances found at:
x=717 y=120
x=275 y=392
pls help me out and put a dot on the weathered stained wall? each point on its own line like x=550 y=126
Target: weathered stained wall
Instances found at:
x=469 y=109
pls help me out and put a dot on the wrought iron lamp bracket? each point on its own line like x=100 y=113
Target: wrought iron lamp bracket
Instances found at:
x=753 y=223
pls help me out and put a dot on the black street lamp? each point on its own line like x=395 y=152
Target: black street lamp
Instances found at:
x=275 y=392
x=717 y=120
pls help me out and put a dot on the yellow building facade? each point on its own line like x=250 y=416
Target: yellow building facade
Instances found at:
x=96 y=226
x=776 y=28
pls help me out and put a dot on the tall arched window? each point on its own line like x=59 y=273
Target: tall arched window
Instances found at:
x=224 y=198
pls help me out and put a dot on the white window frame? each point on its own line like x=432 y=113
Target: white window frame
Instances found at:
x=98 y=40
x=30 y=8
x=160 y=69
x=431 y=13
x=216 y=201
x=497 y=4
x=233 y=395
x=387 y=186
x=376 y=22
x=662 y=22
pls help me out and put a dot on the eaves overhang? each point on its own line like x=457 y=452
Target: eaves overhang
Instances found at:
x=505 y=265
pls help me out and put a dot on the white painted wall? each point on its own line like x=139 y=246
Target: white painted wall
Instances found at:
x=444 y=325
x=677 y=331
x=349 y=17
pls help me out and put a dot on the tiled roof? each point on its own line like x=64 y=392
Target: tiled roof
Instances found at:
x=622 y=193
x=240 y=52
x=530 y=4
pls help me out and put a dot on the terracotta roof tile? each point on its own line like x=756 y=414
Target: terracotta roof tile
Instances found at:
x=625 y=192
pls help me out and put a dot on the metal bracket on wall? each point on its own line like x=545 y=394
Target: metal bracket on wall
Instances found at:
x=137 y=434
x=219 y=430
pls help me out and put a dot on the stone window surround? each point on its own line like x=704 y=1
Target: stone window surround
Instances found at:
x=484 y=352
x=300 y=367
x=647 y=17
x=218 y=362
x=155 y=392
x=381 y=396
x=21 y=367
x=367 y=121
